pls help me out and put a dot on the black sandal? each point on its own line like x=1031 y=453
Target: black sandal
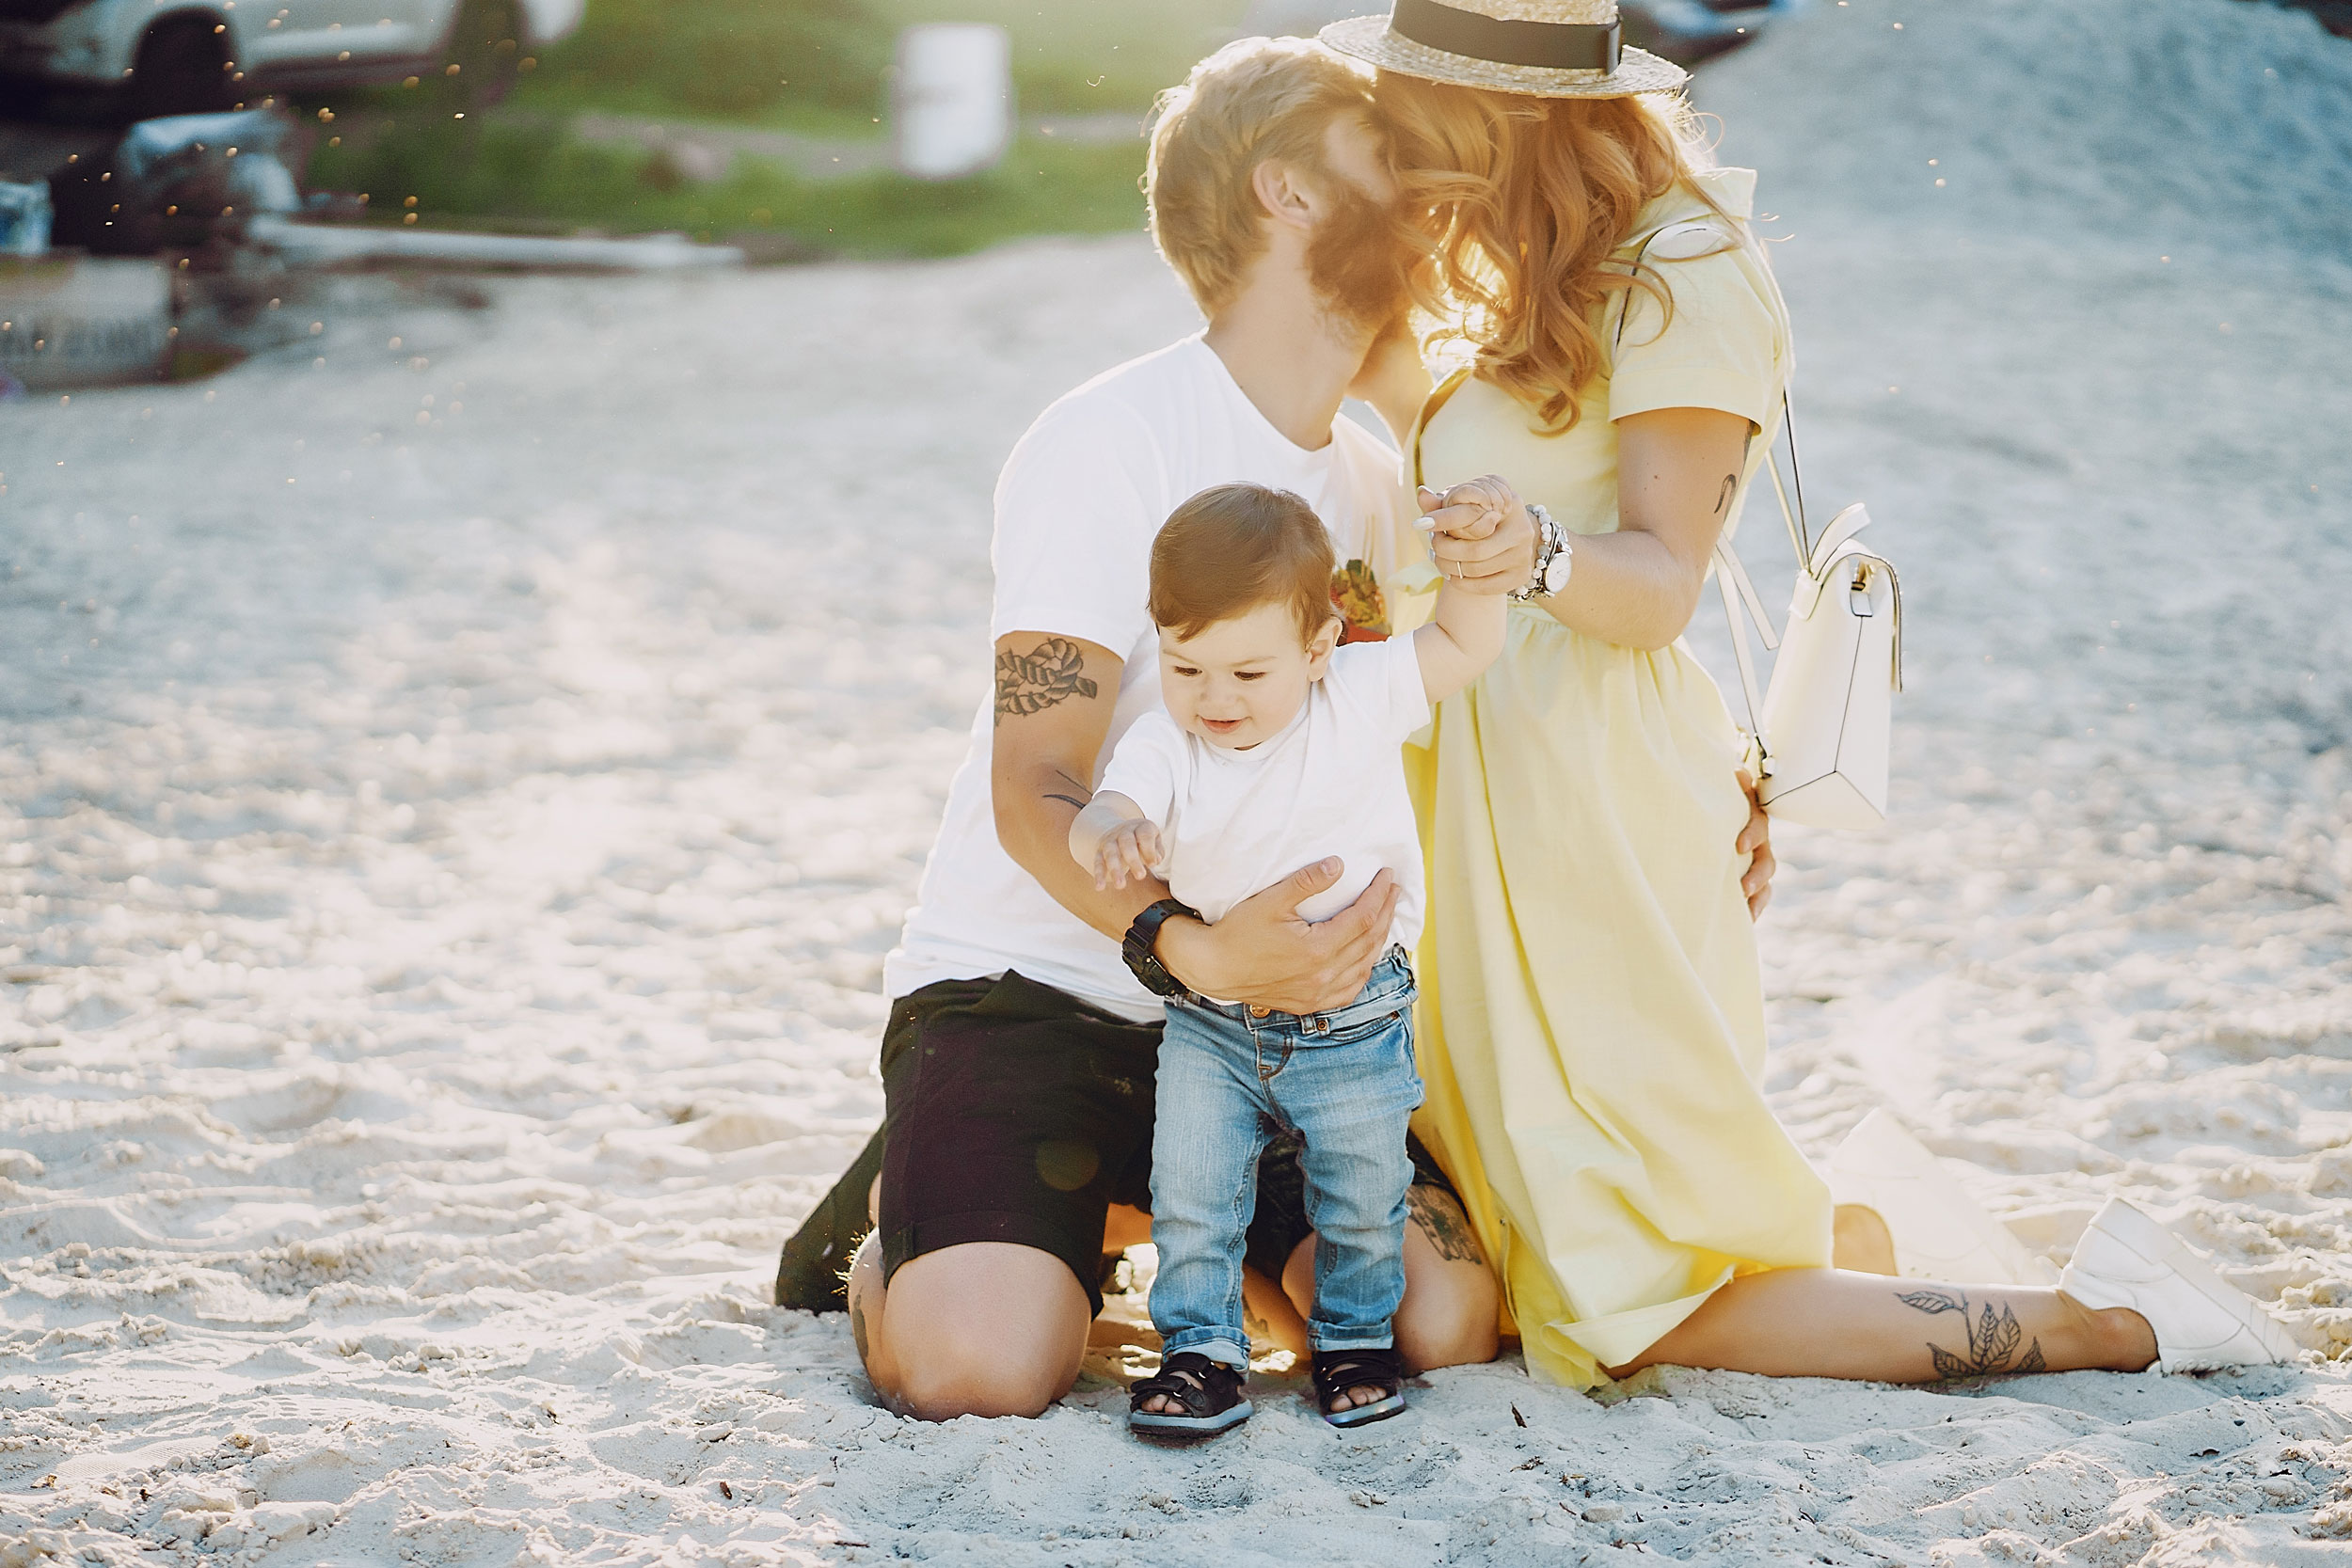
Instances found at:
x=1338 y=1371
x=1208 y=1392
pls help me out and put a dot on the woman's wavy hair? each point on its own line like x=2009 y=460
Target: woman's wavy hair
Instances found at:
x=1525 y=199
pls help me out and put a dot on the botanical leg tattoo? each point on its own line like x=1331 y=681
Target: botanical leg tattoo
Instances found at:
x=1035 y=681
x=857 y=1330
x=1993 y=1339
x=1442 y=1221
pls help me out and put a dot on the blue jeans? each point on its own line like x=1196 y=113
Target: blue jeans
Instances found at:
x=1231 y=1076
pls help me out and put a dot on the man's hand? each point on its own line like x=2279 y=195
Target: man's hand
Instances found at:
x=1262 y=954
x=1756 y=842
x=1485 y=540
x=1127 y=854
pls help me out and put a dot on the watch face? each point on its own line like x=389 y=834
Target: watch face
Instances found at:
x=1556 y=573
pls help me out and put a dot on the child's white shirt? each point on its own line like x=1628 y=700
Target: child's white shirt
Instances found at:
x=1332 y=783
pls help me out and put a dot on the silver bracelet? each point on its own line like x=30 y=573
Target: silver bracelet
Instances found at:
x=1554 y=559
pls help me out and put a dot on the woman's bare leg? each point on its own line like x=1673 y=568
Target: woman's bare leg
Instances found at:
x=1827 y=1322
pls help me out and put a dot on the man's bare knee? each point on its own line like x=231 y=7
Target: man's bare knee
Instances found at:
x=943 y=1384
x=985 y=1328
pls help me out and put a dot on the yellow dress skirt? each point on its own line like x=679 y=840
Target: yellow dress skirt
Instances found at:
x=1591 y=1026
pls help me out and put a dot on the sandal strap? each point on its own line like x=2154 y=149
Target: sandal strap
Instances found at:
x=1338 y=1371
x=1203 y=1387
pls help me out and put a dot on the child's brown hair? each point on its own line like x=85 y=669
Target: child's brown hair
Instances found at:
x=1234 y=547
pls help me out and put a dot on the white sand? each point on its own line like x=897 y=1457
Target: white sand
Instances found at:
x=444 y=903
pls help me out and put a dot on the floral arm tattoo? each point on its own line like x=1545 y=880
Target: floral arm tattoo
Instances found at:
x=1993 y=1339
x=1037 y=680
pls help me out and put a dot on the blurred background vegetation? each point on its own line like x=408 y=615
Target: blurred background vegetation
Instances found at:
x=814 y=70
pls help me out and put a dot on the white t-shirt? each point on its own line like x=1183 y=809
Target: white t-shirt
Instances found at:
x=1235 y=822
x=1078 y=504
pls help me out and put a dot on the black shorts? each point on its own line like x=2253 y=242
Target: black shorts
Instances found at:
x=1013 y=1112
x=1016 y=1113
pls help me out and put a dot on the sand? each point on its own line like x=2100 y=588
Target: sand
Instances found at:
x=454 y=800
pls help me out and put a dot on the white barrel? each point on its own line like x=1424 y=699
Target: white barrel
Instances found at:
x=83 y=321
x=951 y=99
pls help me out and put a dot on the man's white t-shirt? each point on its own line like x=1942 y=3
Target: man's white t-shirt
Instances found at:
x=1332 y=783
x=1077 y=506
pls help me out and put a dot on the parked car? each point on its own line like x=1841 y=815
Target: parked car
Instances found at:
x=194 y=56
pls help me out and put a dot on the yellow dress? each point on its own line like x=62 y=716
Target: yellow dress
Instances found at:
x=1592 y=1026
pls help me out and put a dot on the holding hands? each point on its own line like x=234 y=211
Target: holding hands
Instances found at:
x=1482 y=537
x=1127 y=854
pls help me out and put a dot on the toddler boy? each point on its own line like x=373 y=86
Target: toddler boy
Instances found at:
x=1278 y=749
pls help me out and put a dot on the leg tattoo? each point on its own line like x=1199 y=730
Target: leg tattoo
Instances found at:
x=1992 y=1337
x=857 y=1330
x=1442 y=1221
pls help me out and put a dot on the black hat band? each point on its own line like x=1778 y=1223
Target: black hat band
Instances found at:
x=1548 y=45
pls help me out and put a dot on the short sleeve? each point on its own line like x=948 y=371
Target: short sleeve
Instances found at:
x=1146 y=765
x=1722 y=346
x=1073 y=528
x=1381 y=682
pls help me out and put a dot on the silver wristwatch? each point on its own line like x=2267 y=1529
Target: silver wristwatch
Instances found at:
x=1553 y=558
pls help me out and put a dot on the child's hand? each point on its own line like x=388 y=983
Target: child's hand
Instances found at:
x=1127 y=854
x=1472 y=511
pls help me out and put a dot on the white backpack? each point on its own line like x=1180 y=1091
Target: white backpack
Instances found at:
x=1822 y=731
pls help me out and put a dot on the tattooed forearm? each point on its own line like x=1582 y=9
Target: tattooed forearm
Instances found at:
x=1994 y=1338
x=1731 y=486
x=1035 y=681
x=1440 y=1219
x=1079 y=794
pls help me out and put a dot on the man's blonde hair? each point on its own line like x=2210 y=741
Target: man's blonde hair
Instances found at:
x=1253 y=100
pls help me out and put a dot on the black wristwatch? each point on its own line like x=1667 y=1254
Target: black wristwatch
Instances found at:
x=1142 y=936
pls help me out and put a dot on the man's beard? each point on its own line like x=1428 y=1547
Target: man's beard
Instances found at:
x=1360 y=261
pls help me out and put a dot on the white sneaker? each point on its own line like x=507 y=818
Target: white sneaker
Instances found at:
x=1939 y=1231
x=2202 y=1322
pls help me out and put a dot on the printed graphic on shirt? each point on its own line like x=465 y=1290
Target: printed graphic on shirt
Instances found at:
x=1355 y=595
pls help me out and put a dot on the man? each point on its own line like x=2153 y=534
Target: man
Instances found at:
x=1019 y=1057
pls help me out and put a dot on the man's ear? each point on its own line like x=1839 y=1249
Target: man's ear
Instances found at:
x=1283 y=194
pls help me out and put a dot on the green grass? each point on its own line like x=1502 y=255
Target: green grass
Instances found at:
x=1071 y=57
x=813 y=66
x=524 y=171
x=810 y=64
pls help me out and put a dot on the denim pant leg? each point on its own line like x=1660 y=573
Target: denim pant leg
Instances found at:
x=1205 y=1141
x=1351 y=1103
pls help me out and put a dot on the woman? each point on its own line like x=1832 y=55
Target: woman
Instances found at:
x=1592 y=1028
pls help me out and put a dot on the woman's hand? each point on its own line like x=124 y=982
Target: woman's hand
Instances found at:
x=1262 y=953
x=1756 y=842
x=1483 y=539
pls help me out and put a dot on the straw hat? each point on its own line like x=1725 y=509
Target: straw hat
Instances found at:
x=1541 y=48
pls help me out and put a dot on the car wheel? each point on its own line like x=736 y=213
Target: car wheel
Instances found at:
x=486 y=45
x=181 y=69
